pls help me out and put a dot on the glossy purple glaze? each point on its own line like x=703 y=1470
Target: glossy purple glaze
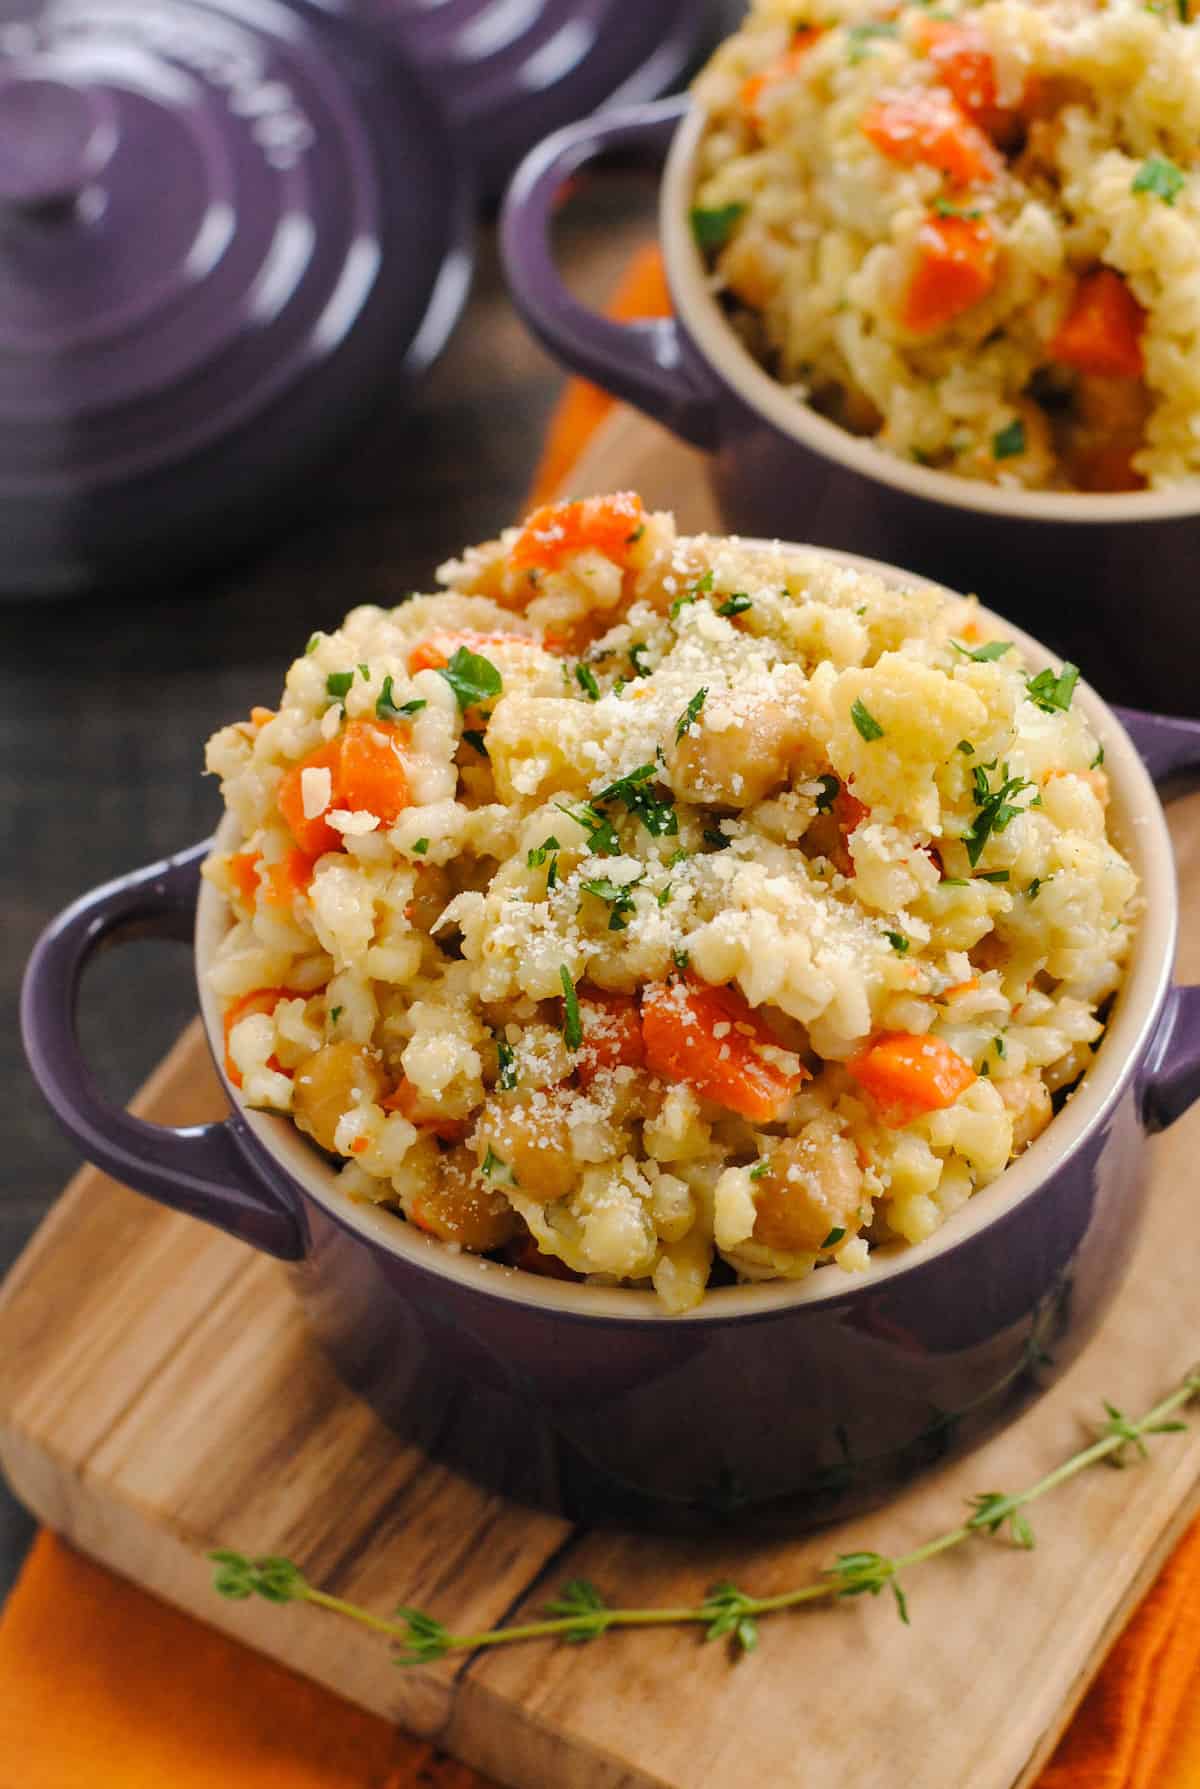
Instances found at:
x=1121 y=596
x=807 y=1410
x=218 y=220
x=510 y=71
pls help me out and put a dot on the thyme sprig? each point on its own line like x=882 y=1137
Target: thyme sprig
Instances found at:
x=580 y=1613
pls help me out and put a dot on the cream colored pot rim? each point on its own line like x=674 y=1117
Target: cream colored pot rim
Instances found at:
x=1140 y=829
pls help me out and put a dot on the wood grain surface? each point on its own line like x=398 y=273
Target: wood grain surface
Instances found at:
x=158 y=1396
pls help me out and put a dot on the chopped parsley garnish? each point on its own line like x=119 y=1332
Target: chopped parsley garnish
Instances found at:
x=539 y=853
x=631 y=540
x=865 y=721
x=835 y=1236
x=992 y=876
x=472 y=678
x=964 y=745
x=585 y=677
x=716 y=839
x=421 y=847
x=898 y=942
x=665 y=894
x=999 y=1046
x=602 y=836
x=572 y=1029
x=737 y=604
x=619 y=896
x=829 y=787
x=954 y=882
x=859 y=36
x=1052 y=692
x=761 y=1167
x=474 y=738
x=995 y=808
x=713 y=228
x=689 y=714
x=338 y=683
x=1098 y=760
x=656 y=813
x=701 y=587
x=494 y=1169
x=1161 y=177
x=1009 y=441
x=679 y=856
x=681 y=959
x=336 y=1014
x=314 y=640
x=982 y=655
x=1039 y=882
x=635 y=658
x=364 y=672
x=386 y=709
x=947 y=208
x=506 y=1080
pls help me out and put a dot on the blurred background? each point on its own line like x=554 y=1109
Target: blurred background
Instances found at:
x=110 y=687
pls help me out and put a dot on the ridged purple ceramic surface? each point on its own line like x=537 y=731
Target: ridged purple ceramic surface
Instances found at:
x=509 y=71
x=220 y=222
x=813 y=1409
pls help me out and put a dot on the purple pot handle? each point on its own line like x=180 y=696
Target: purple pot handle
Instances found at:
x=197 y=1168
x=1169 y=744
x=647 y=363
x=1166 y=743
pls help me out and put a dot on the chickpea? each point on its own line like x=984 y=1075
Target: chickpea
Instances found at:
x=528 y=1132
x=430 y=896
x=1027 y=1099
x=739 y=759
x=812 y=1187
x=326 y=1085
x=457 y=1206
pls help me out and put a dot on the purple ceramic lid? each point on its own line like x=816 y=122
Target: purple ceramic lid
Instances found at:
x=511 y=71
x=223 y=223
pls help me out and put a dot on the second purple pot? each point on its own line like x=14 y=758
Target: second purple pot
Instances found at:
x=1110 y=581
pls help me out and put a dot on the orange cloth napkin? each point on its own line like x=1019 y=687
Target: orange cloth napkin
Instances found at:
x=104 y=1687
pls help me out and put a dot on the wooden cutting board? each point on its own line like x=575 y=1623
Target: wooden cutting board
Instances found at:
x=159 y=1397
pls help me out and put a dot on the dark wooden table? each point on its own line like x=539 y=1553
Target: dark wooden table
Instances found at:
x=105 y=703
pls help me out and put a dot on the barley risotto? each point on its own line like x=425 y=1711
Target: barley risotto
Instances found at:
x=667 y=909
x=971 y=233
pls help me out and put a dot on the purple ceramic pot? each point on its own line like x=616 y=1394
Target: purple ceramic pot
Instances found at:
x=1075 y=568
x=508 y=75
x=813 y=1398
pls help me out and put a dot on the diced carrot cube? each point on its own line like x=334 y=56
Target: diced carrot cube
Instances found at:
x=315 y=835
x=371 y=774
x=963 y=61
x=907 y=1075
x=955 y=268
x=930 y=127
x=1102 y=331
x=782 y=69
x=712 y=1039
x=259 y=1000
x=612 y=1035
x=281 y=882
x=607 y=525
x=243 y=868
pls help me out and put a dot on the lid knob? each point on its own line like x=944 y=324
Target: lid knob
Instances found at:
x=55 y=138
